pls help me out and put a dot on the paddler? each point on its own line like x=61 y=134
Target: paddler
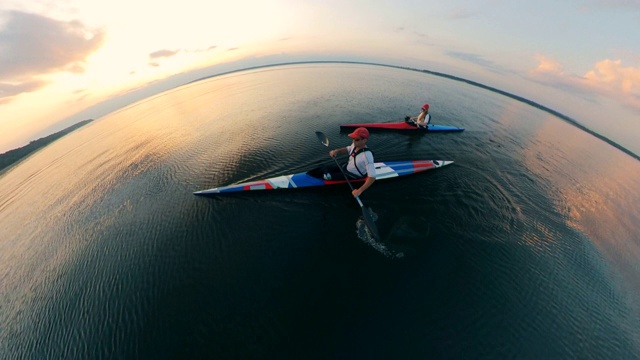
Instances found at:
x=423 y=119
x=360 y=164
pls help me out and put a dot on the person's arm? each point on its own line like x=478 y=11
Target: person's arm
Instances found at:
x=414 y=118
x=371 y=175
x=335 y=152
x=357 y=192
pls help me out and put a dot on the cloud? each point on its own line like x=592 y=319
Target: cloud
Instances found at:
x=551 y=72
x=611 y=76
x=462 y=13
x=32 y=46
x=211 y=48
x=163 y=54
x=547 y=66
x=8 y=90
x=608 y=77
x=477 y=60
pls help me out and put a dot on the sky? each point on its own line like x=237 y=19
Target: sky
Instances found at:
x=64 y=61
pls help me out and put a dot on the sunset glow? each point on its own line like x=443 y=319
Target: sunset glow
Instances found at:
x=58 y=60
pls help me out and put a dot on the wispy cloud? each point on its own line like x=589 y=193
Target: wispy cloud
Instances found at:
x=210 y=48
x=33 y=46
x=548 y=66
x=163 y=54
x=462 y=13
x=477 y=60
x=8 y=89
x=608 y=77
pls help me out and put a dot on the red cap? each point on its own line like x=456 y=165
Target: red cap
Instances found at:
x=360 y=132
x=425 y=107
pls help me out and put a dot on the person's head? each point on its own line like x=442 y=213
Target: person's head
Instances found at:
x=425 y=107
x=359 y=136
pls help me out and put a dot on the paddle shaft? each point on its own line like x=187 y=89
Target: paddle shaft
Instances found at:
x=348 y=182
x=366 y=214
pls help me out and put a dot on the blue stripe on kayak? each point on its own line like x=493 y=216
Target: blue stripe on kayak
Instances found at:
x=432 y=127
x=391 y=169
x=304 y=180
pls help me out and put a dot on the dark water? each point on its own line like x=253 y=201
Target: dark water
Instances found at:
x=527 y=247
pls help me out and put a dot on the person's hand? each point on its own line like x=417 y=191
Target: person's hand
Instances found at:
x=332 y=153
x=356 y=193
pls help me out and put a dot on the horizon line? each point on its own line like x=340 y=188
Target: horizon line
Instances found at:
x=532 y=103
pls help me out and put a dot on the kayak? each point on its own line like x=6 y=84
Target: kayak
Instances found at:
x=384 y=170
x=403 y=125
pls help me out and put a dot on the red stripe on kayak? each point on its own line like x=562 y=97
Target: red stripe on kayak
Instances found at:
x=421 y=164
x=396 y=125
x=334 y=182
x=258 y=186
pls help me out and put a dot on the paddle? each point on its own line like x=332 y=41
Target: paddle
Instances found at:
x=366 y=212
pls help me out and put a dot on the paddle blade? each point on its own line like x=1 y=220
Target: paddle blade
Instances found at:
x=371 y=224
x=323 y=138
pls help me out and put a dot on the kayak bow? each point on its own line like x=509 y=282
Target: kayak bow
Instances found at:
x=384 y=170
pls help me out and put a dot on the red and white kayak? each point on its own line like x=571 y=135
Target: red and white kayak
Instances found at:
x=384 y=170
x=404 y=126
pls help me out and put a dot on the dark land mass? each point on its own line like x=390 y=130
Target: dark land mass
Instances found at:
x=470 y=82
x=12 y=157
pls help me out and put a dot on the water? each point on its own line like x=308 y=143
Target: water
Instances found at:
x=527 y=246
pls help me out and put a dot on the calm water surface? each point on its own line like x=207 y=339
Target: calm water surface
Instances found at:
x=527 y=246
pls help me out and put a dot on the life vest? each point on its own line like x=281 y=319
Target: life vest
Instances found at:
x=355 y=163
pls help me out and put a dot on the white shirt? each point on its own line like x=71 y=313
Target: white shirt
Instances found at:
x=365 y=163
x=424 y=121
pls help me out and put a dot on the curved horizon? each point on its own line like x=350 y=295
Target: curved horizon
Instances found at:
x=451 y=77
x=532 y=103
x=91 y=60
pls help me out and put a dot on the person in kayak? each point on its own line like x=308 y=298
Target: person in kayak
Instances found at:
x=423 y=119
x=360 y=162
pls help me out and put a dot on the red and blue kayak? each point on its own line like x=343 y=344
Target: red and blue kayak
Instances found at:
x=384 y=170
x=404 y=126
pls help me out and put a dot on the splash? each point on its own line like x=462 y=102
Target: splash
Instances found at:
x=365 y=235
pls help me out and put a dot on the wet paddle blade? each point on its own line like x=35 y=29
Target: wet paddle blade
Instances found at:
x=323 y=138
x=371 y=224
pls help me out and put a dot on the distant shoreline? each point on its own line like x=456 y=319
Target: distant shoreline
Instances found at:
x=543 y=108
x=10 y=157
x=451 y=77
x=15 y=156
